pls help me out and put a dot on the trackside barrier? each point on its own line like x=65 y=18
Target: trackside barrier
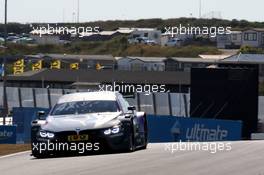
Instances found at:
x=7 y=134
x=173 y=129
x=22 y=118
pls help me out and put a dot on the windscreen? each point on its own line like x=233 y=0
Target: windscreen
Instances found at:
x=85 y=107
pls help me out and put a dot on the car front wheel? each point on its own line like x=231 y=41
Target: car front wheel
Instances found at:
x=40 y=155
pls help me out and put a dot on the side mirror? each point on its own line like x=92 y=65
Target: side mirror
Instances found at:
x=41 y=115
x=131 y=108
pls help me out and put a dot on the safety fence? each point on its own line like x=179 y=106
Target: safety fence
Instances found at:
x=175 y=104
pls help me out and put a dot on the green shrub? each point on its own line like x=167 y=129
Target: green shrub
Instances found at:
x=251 y=50
x=118 y=46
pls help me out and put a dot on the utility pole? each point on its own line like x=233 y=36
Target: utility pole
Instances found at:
x=200 y=8
x=73 y=17
x=63 y=15
x=5 y=108
x=78 y=11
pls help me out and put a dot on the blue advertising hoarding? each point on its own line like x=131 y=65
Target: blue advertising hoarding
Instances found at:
x=7 y=134
x=22 y=118
x=173 y=129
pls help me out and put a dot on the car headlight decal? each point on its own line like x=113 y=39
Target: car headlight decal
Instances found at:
x=42 y=134
x=46 y=134
x=113 y=130
x=50 y=135
x=107 y=132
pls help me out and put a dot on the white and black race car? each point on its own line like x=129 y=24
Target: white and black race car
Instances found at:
x=103 y=119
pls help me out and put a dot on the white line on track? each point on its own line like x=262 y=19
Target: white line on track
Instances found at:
x=14 y=154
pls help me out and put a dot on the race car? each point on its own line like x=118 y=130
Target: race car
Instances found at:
x=103 y=120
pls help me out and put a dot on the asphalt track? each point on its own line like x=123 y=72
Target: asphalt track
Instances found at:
x=245 y=158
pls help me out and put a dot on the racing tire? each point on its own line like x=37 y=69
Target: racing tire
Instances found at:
x=131 y=143
x=145 y=134
x=146 y=142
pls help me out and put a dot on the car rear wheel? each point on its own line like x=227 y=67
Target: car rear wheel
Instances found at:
x=131 y=143
x=145 y=135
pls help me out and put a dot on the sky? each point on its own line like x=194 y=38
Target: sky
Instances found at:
x=52 y=11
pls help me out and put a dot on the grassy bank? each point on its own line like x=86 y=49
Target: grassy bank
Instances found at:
x=6 y=149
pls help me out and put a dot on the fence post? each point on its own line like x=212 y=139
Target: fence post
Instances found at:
x=185 y=105
x=154 y=103
x=138 y=102
x=34 y=97
x=19 y=97
x=170 y=107
x=49 y=98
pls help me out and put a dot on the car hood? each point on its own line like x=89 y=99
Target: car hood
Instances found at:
x=81 y=122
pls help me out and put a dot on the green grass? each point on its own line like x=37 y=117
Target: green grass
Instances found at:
x=6 y=149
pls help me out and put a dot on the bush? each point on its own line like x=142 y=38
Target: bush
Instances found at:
x=118 y=46
x=251 y=50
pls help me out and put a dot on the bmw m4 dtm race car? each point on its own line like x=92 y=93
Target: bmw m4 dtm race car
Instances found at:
x=89 y=121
